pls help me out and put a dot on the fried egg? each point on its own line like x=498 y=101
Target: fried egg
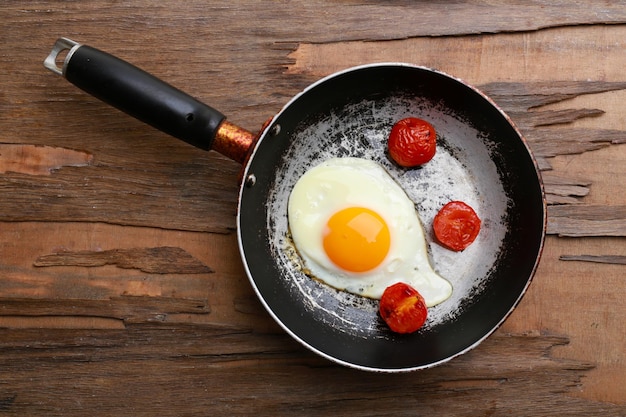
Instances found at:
x=357 y=230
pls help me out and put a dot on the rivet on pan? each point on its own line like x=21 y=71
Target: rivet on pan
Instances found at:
x=250 y=181
x=275 y=130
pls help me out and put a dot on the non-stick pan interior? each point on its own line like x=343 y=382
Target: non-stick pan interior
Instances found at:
x=481 y=159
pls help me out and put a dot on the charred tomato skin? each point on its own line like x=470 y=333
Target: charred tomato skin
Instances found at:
x=456 y=225
x=403 y=308
x=412 y=142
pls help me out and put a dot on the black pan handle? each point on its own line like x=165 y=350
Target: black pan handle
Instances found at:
x=136 y=92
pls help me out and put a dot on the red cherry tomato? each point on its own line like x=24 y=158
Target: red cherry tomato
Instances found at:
x=412 y=142
x=403 y=308
x=456 y=225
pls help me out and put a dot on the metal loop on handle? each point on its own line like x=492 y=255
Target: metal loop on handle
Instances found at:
x=62 y=44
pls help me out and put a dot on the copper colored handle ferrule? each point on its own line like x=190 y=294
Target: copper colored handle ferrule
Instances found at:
x=233 y=141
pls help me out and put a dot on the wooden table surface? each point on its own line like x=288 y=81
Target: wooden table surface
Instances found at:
x=121 y=287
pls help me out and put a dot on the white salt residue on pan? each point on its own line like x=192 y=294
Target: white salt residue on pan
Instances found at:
x=462 y=169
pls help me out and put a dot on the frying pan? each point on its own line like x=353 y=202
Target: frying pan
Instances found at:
x=481 y=159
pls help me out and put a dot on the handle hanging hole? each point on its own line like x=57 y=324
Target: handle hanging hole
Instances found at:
x=60 y=55
x=189 y=117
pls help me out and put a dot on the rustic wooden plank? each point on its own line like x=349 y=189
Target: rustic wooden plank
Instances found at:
x=556 y=55
x=203 y=197
x=589 y=212
x=239 y=60
x=126 y=308
x=563 y=190
x=602 y=259
x=395 y=20
x=159 y=260
x=23 y=243
x=569 y=141
x=201 y=358
x=39 y=160
x=555 y=117
x=520 y=96
x=586 y=220
x=524 y=102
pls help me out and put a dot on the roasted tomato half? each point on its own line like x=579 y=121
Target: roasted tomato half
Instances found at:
x=456 y=225
x=403 y=308
x=412 y=142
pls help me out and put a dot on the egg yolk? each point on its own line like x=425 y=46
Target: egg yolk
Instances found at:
x=356 y=239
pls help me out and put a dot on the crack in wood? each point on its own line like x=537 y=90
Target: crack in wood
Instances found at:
x=39 y=160
x=524 y=96
x=564 y=190
x=201 y=357
x=603 y=259
x=567 y=215
x=7 y=402
x=549 y=143
x=130 y=309
x=158 y=260
x=556 y=117
x=578 y=220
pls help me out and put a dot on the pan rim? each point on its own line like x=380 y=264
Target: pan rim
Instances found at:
x=293 y=334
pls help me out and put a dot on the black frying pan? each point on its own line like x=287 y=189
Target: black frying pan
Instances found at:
x=481 y=159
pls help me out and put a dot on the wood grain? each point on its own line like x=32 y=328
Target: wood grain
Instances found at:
x=88 y=361
x=606 y=259
x=125 y=308
x=587 y=220
x=39 y=160
x=161 y=260
x=568 y=140
x=564 y=190
x=112 y=328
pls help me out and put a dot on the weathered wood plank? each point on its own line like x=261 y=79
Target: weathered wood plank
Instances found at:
x=586 y=220
x=602 y=259
x=555 y=117
x=394 y=20
x=569 y=141
x=247 y=59
x=203 y=197
x=564 y=190
x=159 y=260
x=555 y=55
x=125 y=308
x=39 y=160
x=589 y=212
x=201 y=358
x=519 y=96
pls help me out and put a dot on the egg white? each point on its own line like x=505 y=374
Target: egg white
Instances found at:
x=340 y=183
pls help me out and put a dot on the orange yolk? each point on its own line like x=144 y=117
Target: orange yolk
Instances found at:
x=356 y=239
